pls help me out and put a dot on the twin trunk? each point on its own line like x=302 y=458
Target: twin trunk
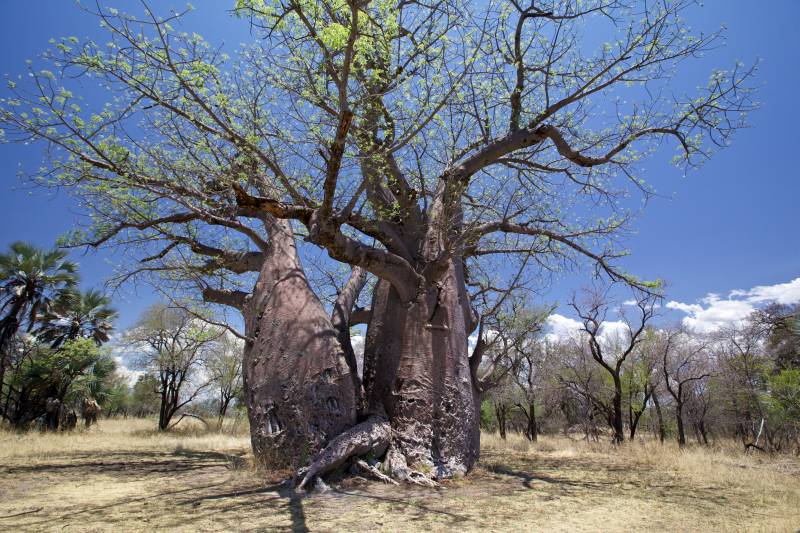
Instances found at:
x=300 y=387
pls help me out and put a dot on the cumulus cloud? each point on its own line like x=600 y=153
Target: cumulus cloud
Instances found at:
x=560 y=327
x=122 y=369
x=634 y=302
x=713 y=311
x=782 y=293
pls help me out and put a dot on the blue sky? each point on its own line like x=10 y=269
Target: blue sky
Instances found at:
x=731 y=225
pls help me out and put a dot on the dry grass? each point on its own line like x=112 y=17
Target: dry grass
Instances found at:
x=125 y=476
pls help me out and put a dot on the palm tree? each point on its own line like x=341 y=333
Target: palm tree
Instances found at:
x=29 y=280
x=78 y=314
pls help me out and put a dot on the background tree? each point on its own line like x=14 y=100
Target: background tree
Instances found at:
x=145 y=397
x=641 y=377
x=586 y=394
x=611 y=351
x=76 y=313
x=29 y=280
x=224 y=366
x=682 y=365
x=410 y=140
x=173 y=345
x=77 y=369
x=119 y=396
x=527 y=359
x=782 y=327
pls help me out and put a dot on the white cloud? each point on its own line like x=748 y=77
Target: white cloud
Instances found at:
x=634 y=302
x=612 y=331
x=713 y=312
x=131 y=375
x=561 y=327
x=782 y=293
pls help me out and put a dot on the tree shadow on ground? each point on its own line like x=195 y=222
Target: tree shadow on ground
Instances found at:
x=182 y=467
x=293 y=502
x=560 y=476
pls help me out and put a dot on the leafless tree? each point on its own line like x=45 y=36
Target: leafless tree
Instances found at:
x=224 y=366
x=173 y=344
x=642 y=376
x=683 y=363
x=612 y=350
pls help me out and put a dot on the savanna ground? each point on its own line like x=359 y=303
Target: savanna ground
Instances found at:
x=123 y=476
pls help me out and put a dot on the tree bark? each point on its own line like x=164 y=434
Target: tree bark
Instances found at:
x=299 y=390
x=417 y=372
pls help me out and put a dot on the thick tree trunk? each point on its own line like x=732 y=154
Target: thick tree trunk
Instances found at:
x=299 y=390
x=417 y=372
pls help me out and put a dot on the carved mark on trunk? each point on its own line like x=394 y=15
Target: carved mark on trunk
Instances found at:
x=333 y=405
x=274 y=426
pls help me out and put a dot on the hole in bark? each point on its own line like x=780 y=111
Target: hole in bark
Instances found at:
x=327 y=374
x=333 y=404
x=273 y=424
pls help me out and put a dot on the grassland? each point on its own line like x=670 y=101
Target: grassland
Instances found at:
x=124 y=476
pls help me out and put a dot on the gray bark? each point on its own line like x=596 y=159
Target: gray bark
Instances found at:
x=300 y=393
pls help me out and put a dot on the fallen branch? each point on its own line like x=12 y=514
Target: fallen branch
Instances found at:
x=198 y=417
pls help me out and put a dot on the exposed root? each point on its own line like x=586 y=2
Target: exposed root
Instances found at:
x=418 y=478
x=398 y=468
x=370 y=436
x=374 y=472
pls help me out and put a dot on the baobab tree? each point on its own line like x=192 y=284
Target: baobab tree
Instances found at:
x=411 y=141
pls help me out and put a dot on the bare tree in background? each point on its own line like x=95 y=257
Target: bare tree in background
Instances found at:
x=682 y=363
x=224 y=366
x=173 y=345
x=641 y=377
x=612 y=351
x=584 y=393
